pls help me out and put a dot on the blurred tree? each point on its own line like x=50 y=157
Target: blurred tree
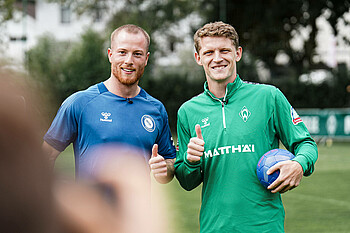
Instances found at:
x=9 y=7
x=267 y=27
x=45 y=64
x=64 y=68
x=86 y=64
x=324 y=95
x=152 y=15
x=6 y=10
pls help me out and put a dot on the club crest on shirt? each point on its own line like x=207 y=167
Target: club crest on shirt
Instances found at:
x=295 y=116
x=148 y=123
x=244 y=114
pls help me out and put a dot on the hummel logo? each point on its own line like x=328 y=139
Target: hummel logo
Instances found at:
x=244 y=114
x=205 y=122
x=105 y=117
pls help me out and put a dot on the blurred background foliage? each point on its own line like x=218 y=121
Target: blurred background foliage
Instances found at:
x=266 y=29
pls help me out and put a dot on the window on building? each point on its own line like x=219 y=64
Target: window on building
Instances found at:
x=66 y=14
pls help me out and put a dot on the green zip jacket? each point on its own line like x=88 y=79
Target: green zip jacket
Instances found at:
x=237 y=130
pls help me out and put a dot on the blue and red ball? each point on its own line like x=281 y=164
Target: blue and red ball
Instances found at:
x=269 y=159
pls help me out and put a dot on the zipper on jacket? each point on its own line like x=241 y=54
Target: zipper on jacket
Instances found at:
x=223 y=114
x=222 y=106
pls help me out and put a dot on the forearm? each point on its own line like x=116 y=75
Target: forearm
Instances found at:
x=51 y=153
x=306 y=155
x=189 y=175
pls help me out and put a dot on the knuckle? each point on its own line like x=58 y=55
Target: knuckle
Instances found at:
x=189 y=145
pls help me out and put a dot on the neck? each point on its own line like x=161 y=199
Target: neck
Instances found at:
x=122 y=90
x=218 y=88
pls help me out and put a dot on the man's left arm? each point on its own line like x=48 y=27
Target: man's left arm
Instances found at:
x=296 y=138
x=162 y=164
x=162 y=169
x=290 y=176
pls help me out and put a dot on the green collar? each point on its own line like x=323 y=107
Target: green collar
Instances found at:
x=230 y=89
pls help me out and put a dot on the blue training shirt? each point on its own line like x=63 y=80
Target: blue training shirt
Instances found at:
x=96 y=116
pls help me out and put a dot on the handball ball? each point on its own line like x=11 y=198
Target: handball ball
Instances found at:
x=269 y=159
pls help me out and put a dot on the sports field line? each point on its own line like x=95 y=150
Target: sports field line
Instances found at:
x=313 y=198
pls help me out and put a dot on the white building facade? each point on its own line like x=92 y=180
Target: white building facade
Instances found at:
x=38 y=18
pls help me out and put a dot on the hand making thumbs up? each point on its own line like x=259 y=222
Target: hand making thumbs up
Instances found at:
x=158 y=165
x=195 y=147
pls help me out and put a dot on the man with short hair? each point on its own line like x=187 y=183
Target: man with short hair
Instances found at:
x=223 y=132
x=116 y=110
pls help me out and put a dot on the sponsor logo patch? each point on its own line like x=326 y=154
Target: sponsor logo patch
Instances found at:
x=295 y=116
x=229 y=150
x=148 y=123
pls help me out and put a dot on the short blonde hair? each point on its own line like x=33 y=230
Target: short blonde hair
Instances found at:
x=131 y=28
x=219 y=29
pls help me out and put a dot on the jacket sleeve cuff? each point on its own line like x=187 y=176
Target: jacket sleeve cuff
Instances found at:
x=192 y=164
x=302 y=161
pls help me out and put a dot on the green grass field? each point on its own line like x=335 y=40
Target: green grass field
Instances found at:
x=320 y=204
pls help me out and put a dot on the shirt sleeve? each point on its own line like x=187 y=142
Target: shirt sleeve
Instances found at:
x=165 y=142
x=188 y=174
x=294 y=134
x=63 y=129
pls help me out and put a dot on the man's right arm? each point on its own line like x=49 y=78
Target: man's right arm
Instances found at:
x=63 y=128
x=188 y=169
x=51 y=152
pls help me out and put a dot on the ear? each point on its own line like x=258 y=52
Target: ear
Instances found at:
x=147 y=56
x=109 y=51
x=198 y=58
x=239 y=52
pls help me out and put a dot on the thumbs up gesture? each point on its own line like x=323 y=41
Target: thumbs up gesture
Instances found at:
x=195 y=147
x=158 y=165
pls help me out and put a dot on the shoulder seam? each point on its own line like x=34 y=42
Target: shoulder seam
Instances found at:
x=91 y=99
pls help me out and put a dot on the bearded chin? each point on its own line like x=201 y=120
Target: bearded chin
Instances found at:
x=125 y=80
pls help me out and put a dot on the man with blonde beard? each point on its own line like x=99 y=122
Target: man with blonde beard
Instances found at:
x=117 y=110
